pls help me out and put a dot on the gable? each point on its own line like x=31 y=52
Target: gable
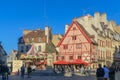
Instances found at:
x=70 y=32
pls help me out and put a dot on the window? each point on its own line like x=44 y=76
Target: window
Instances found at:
x=65 y=46
x=62 y=57
x=57 y=58
x=78 y=45
x=27 y=48
x=22 y=49
x=32 y=39
x=73 y=37
x=11 y=58
x=74 y=28
x=98 y=42
x=27 y=39
x=70 y=57
x=79 y=57
x=106 y=42
x=39 y=48
x=39 y=39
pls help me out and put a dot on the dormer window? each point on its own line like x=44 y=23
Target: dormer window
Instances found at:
x=39 y=39
x=32 y=39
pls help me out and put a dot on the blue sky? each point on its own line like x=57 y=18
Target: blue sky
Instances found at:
x=17 y=15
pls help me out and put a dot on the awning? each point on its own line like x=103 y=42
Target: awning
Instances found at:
x=85 y=63
x=78 y=61
x=28 y=61
x=32 y=51
x=61 y=63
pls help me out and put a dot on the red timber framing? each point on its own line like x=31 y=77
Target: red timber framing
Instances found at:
x=75 y=43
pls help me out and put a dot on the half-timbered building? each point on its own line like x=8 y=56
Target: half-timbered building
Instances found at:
x=77 y=44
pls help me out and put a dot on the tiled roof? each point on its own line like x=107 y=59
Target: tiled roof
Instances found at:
x=93 y=41
x=50 y=48
x=35 y=33
x=117 y=29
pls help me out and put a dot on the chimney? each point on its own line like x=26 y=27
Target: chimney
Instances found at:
x=66 y=27
x=47 y=33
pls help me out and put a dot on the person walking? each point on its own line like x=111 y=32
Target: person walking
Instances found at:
x=106 y=70
x=6 y=72
x=3 y=71
x=22 y=71
x=112 y=73
x=100 y=73
x=82 y=70
x=29 y=70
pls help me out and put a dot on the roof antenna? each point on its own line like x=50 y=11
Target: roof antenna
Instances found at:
x=44 y=13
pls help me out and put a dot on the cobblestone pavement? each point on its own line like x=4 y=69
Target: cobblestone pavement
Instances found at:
x=50 y=77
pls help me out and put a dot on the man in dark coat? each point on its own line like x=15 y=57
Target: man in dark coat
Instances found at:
x=29 y=70
x=100 y=73
x=112 y=73
x=5 y=72
x=22 y=71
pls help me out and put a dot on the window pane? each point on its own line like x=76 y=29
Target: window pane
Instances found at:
x=65 y=46
x=39 y=48
x=78 y=45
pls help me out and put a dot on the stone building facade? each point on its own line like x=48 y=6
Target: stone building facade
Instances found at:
x=106 y=35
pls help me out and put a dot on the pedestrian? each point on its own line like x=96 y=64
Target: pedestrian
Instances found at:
x=112 y=73
x=22 y=71
x=82 y=70
x=18 y=72
x=100 y=73
x=6 y=72
x=88 y=71
x=106 y=70
x=29 y=70
x=3 y=71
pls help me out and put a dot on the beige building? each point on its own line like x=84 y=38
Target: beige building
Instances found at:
x=12 y=56
x=41 y=39
x=104 y=33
